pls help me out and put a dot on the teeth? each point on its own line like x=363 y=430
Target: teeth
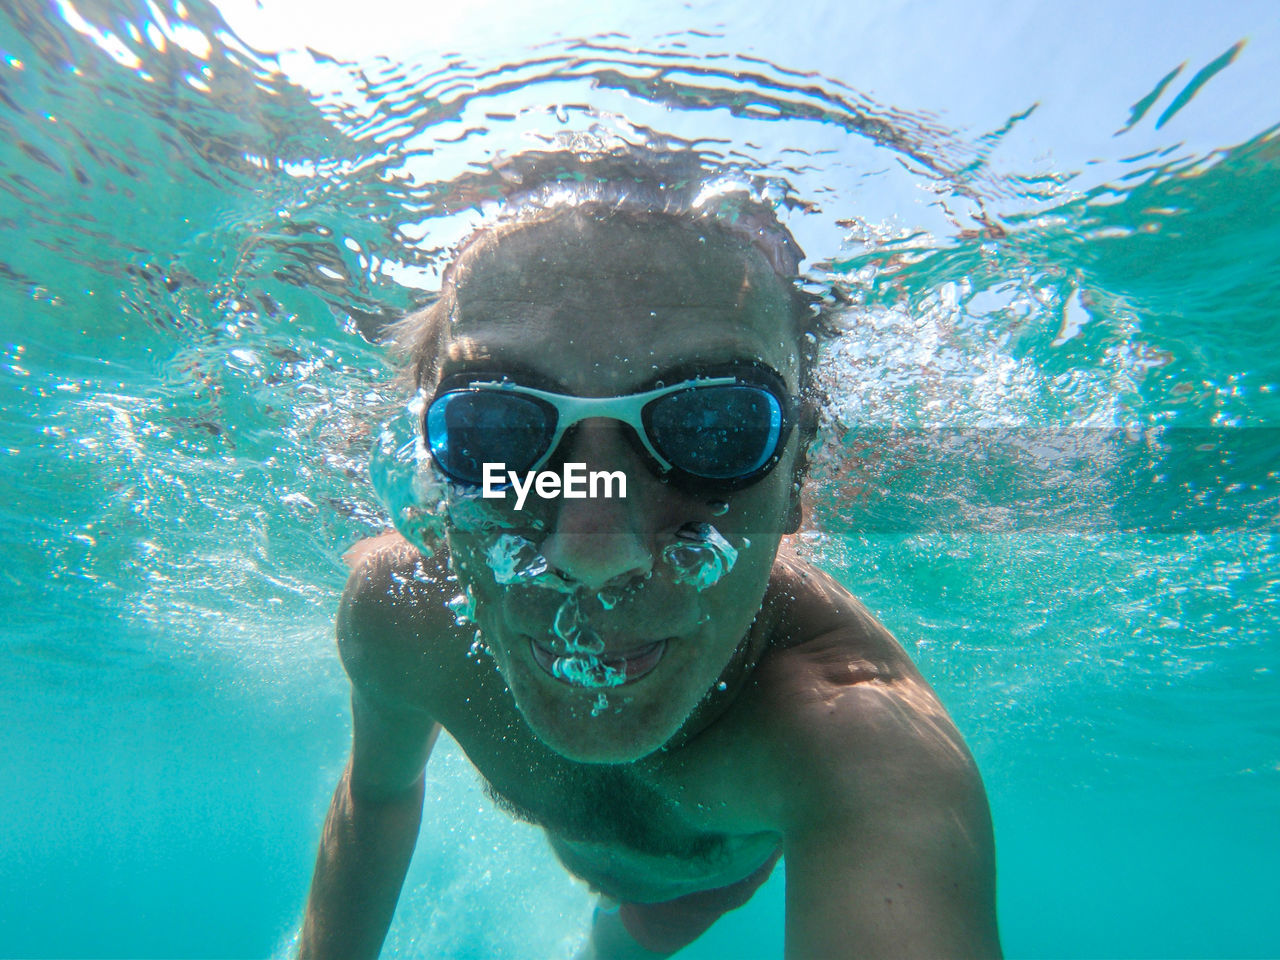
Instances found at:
x=624 y=656
x=592 y=671
x=608 y=656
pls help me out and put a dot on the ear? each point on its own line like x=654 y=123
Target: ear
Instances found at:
x=807 y=429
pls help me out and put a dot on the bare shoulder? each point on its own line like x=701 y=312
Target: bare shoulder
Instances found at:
x=882 y=811
x=393 y=627
x=821 y=631
x=844 y=697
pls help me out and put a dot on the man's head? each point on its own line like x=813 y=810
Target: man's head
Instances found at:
x=614 y=619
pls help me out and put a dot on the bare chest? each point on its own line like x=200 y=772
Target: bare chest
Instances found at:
x=630 y=834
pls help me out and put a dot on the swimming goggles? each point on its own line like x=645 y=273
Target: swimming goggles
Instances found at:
x=721 y=432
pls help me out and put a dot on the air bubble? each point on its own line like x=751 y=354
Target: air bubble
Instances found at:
x=566 y=624
x=470 y=512
x=513 y=559
x=609 y=597
x=405 y=481
x=588 y=642
x=516 y=561
x=587 y=671
x=700 y=556
x=463 y=607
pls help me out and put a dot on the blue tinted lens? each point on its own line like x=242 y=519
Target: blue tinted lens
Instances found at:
x=468 y=428
x=721 y=433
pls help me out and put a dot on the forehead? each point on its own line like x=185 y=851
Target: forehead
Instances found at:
x=602 y=304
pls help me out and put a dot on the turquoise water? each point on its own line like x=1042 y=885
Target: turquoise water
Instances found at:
x=1048 y=236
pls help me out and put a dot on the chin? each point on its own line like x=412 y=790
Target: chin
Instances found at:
x=583 y=742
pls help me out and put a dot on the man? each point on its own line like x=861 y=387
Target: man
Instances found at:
x=678 y=699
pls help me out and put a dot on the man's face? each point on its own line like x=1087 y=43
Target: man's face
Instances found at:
x=597 y=309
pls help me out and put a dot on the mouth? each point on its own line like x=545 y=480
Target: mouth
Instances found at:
x=609 y=669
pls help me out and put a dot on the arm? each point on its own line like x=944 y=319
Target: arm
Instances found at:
x=368 y=840
x=888 y=842
x=372 y=824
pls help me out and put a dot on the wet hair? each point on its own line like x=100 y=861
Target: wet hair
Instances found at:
x=622 y=184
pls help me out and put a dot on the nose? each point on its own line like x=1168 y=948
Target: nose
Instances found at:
x=595 y=540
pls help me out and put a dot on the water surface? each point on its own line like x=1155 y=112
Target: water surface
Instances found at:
x=1048 y=239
